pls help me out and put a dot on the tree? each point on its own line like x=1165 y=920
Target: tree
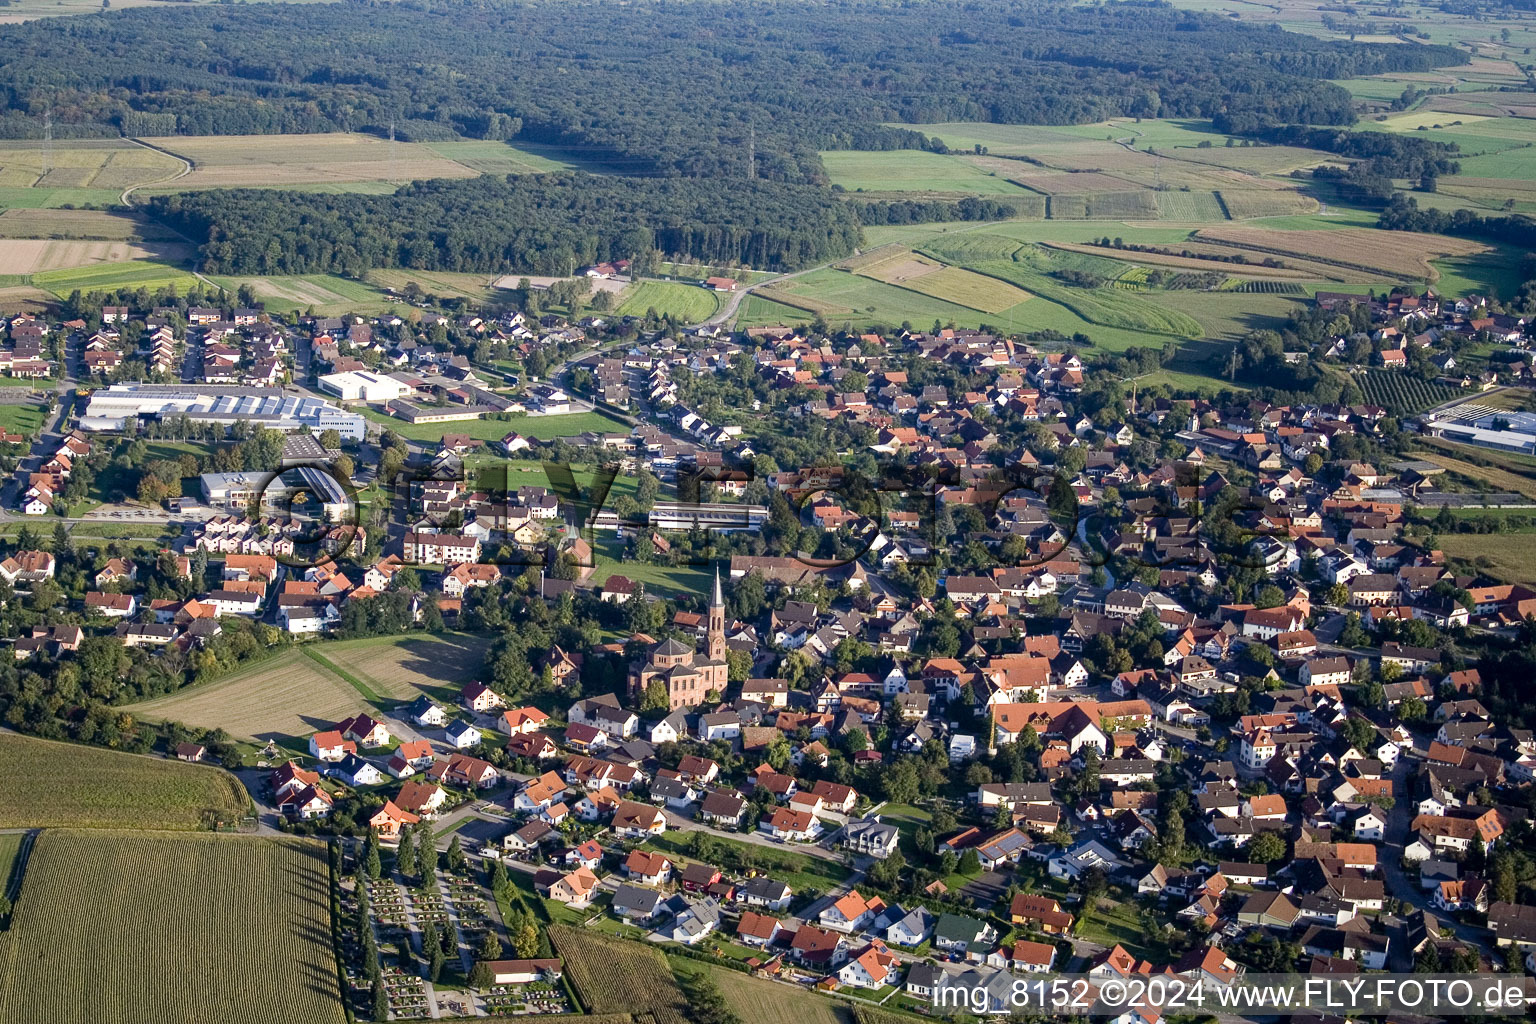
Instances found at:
x=405 y=855
x=970 y=862
x=527 y=942
x=380 y=996
x=1266 y=848
x=426 y=858
x=655 y=697
x=490 y=946
x=457 y=862
x=480 y=976
x=371 y=855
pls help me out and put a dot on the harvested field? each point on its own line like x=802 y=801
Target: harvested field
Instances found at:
x=232 y=161
x=1257 y=159
x=1072 y=184
x=871 y=257
x=325 y=292
x=288 y=695
x=964 y=288
x=900 y=267
x=616 y=976
x=802 y=302
x=1244 y=203
x=910 y=171
x=92 y=787
x=1401 y=254
x=110 y=164
x=174 y=928
x=1155 y=259
x=442 y=283
x=84 y=224
x=403 y=667
x=31 y=256
x=599 y=284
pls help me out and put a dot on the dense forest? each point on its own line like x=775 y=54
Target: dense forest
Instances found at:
x=537 y=224
x=668 y=88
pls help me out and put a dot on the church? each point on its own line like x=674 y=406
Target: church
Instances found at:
x=688 y=677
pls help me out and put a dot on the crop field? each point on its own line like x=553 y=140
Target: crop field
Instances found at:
x=31 y=255
x=1394 y=254
x=541 y=428
x=870 y=300
x=232 y=161
x=1141 y=205
x=763 y=1002
x=952 y=284
x=615 y=976
x=489 y=157
x=1492 y=478
x=689 y=303
x=1069 y=184
x=95 y=225
x=1245 y=203
x=92 y=787
x=98 y=164
x=759 y=301
x=1189 y=206
x=1493 y=554
x=443 y=283
x=326 y=293
x=404 y=667
x=284 y=696
x=758 y=309
x=1157 y=259
x=910 y=171
x=1401 y=394
x=172 y=928
x=107 y=277
x=1106 y=306
x=1232 y=314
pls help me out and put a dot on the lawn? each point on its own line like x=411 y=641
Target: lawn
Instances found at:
x=173 y=928
x=404 y=667
x=912 y=171
x=1119 y=923
x=669 y=580
x=689 y=303
x=284 y=696
x=91 y=787
x=541 y=428
x=22 y=418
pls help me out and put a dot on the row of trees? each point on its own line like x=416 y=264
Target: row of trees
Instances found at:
x=544 y=224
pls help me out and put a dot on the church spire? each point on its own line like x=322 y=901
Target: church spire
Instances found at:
x=714 y=638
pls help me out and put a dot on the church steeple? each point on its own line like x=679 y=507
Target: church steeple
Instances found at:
x=715 y=637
